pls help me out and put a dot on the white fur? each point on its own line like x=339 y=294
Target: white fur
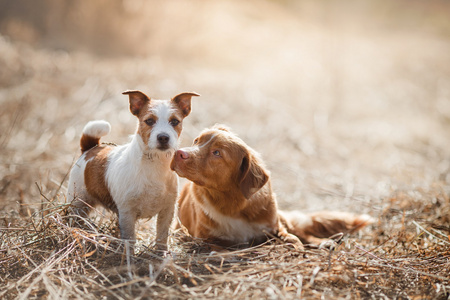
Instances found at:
x=164 y=112
x=97 y=128
x=77 y=188
x=232 y=228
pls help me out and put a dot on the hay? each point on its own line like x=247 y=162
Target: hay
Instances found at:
x=405 y=255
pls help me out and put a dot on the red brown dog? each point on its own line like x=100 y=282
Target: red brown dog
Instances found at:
x=230 y=201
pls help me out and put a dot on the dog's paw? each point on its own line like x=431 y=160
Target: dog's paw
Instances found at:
x=291 y=239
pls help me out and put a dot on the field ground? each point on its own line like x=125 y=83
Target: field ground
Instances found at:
x=349 y=105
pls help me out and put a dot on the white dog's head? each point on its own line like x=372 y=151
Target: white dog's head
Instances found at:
x=160 y=121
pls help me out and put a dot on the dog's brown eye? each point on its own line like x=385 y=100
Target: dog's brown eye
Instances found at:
x=196 y=141
x=150 y=122
x=216 y=153
x=174 y=122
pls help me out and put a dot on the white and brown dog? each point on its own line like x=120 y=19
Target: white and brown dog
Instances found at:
x=133 y=180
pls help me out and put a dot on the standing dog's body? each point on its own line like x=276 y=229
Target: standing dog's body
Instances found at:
x=133 y=180
x=230 y=199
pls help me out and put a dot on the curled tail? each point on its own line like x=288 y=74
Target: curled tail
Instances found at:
x=92 y=133
x=311 y=228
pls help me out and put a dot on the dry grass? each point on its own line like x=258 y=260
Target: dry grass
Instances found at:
x=405 y=255
x=349 y=105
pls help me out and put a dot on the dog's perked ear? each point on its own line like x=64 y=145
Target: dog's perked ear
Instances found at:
x=137 y=100
x=252 y=176
x=183 y=101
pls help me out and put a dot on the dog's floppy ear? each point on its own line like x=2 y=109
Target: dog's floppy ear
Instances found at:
x=252 y=176
x=183 y=101
x=137 y=100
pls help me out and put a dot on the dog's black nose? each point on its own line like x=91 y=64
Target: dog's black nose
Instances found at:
x=163 y=138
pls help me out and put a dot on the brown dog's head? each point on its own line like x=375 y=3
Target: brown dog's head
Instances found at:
x=220 y=160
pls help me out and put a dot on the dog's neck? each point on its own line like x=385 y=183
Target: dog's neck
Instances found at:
x=214 y=199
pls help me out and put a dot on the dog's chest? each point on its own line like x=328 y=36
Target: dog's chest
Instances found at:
x=153 y=197
x=234 y=229
x=145 y=189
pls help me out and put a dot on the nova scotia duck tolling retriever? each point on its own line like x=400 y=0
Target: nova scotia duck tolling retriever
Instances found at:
x=229 y=200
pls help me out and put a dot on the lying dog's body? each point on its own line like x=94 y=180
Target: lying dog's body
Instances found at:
x=230 y=201
x=133 y=180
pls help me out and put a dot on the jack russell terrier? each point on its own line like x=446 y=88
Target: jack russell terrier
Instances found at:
x=133 y=180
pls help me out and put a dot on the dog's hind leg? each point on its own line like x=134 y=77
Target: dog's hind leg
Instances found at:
x=79 y=210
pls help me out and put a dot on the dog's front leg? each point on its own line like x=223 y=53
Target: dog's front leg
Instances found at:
x=163 y=222
x=127 y=222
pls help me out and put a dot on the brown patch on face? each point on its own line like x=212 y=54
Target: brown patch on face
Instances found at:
x=176 y=120
x=147 y=120
x=140 y=105
x=94 y=176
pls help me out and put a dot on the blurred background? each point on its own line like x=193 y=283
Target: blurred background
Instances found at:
x=347 y=101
